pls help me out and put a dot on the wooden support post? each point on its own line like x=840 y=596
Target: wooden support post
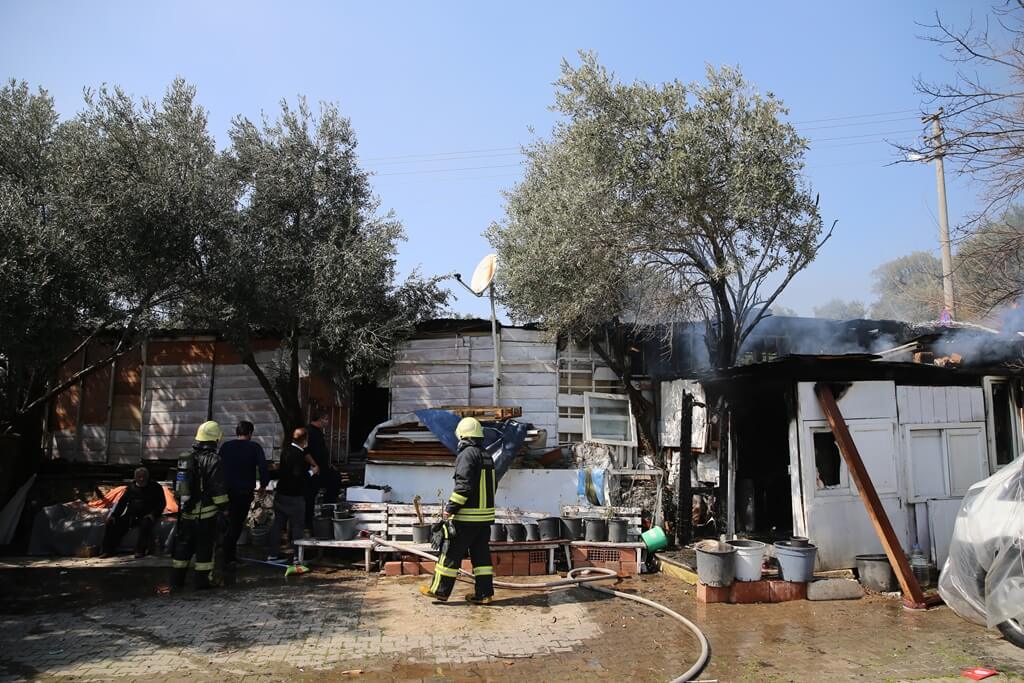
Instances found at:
x=913 y=596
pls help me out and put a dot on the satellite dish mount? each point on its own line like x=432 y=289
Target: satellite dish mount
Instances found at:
x=483 y=283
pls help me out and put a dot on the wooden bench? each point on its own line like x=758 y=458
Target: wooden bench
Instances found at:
x=370 y=517
x=593 y=550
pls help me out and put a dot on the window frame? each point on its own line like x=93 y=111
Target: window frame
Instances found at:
x=588 y=434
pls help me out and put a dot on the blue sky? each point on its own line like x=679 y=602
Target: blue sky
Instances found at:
x=441 y=95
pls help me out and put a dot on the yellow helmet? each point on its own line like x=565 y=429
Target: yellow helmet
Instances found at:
x=469 y=428
x=209 y=431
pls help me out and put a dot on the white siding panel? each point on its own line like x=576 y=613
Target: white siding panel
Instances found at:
x=447 y=379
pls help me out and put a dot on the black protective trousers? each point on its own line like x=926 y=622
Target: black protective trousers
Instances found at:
x=193 y=537
x=239 y=503
x=474 y=538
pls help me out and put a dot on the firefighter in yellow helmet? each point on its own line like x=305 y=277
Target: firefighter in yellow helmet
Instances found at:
x=202 y=502
x=471 y=511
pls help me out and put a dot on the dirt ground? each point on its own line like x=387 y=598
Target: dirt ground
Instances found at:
x=91 y=621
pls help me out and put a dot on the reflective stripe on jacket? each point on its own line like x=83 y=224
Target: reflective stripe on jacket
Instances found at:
x=472 y=499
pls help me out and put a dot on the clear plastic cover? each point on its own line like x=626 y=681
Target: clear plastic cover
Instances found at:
x=983 y=578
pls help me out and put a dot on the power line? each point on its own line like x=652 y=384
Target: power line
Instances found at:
x=857 y=116
x=448 y=170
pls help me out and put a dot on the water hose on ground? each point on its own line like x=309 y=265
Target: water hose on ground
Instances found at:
x=584 y=578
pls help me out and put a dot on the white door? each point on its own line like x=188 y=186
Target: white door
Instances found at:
x=836 y=517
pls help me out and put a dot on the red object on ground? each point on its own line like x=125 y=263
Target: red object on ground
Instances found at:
x=979 y=673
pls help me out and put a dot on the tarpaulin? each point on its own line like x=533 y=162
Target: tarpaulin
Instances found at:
x=110 y=498
x=501 y=439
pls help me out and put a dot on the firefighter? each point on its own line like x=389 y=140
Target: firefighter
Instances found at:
x=470 y=510
x=202 y=503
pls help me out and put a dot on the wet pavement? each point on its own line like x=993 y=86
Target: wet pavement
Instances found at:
x=87 y=621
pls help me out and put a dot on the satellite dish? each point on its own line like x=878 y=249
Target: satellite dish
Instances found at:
x=483 y=276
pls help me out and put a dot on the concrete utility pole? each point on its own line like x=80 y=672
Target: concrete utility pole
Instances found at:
x=940 y=182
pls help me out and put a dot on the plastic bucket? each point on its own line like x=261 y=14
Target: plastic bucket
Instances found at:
x=572 y=528
x=749 y=558
x=716 y=563
x=654 y=538
x=597 y=530
x=323 y=528
x=516 y=532
x=421 y=532
x=344 y=528
x=550 y=528
x=876 y=574
x=532 y=532
x=258 y=535
x=796 y=562
x=497 y=533
x=616 y=530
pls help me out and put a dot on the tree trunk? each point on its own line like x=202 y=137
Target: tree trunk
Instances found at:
x=722 y=341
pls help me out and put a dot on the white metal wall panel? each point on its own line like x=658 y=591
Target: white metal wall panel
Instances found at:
x=169 y=423
x=237 y=396
x=862 y=400
x=938 y=405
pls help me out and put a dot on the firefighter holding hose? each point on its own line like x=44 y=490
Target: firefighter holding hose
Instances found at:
x=468 y=516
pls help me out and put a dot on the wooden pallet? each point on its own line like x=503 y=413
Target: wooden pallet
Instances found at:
x=402 y=517
x=371 y=517
x=486 y=412
x=631 y=515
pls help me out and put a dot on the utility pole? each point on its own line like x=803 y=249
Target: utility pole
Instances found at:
x=940 y=182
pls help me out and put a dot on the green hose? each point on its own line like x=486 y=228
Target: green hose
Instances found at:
x=582 y=577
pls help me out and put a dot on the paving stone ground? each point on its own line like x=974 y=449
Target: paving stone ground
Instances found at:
x=90 y=622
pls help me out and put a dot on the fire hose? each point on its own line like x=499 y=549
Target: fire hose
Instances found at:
x=584 y=577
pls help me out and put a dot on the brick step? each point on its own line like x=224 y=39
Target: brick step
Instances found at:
x=748 y=592
x=505 y=563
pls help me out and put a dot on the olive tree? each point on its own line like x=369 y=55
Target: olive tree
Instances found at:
x=656 y=203
x=307 y=254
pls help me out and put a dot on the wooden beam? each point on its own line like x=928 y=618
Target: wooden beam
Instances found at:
x=913 y=596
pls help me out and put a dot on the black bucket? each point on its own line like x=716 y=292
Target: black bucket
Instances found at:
x=550 y=528
x=597 y=530
x=532 y=531
x=516 y=532
x=323 y=528
x=497 y=533
x=876 y=574
x=617 y=530
x=572 y=528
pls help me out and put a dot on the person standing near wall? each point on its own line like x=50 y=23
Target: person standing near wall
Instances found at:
x=202 y=502
x=242 y=460
x=471 y=509
x=327 y=477
x=290 y=493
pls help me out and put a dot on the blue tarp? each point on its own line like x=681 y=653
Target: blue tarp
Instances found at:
x=501 y=439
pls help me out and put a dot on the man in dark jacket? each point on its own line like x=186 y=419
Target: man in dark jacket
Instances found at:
x=201 y=507
x=242 y=459
x=289 y=495
x=471 y=509
x=139 y=506
x=327 y=476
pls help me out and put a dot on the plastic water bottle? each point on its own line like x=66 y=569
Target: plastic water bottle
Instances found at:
x=920 y=565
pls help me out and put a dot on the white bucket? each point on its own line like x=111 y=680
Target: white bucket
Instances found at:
x=749 y=558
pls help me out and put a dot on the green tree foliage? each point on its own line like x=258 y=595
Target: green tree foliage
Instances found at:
x=908 y=288
x=840 y=309
x=989 y=268
x=657 y=203
x=309 y=255
x=104 y=217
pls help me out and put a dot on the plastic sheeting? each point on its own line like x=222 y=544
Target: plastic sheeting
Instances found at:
x=983 y=578
x=501 y=439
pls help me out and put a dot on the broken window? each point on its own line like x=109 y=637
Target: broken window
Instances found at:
x=608 y=419
x=827 y=460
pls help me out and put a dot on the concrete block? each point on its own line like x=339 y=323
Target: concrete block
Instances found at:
x=538 y=568
x=709 y=594
x=426 y=567
x=392 y=569
x=785 y=591
x=627 y=568
x=410 y=568
x=521 y=563
x=834 y=589
x=749 y=592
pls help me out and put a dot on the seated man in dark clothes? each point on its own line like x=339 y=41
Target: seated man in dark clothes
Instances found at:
x=140 y=506
x=241 y=460
x=327 y=476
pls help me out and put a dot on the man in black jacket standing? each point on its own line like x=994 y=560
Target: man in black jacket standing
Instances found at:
x=327 y=476
x=289 y=496
x=139 y=506
x=471 y=509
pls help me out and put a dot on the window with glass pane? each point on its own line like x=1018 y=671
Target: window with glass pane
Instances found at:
x=609 y=419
